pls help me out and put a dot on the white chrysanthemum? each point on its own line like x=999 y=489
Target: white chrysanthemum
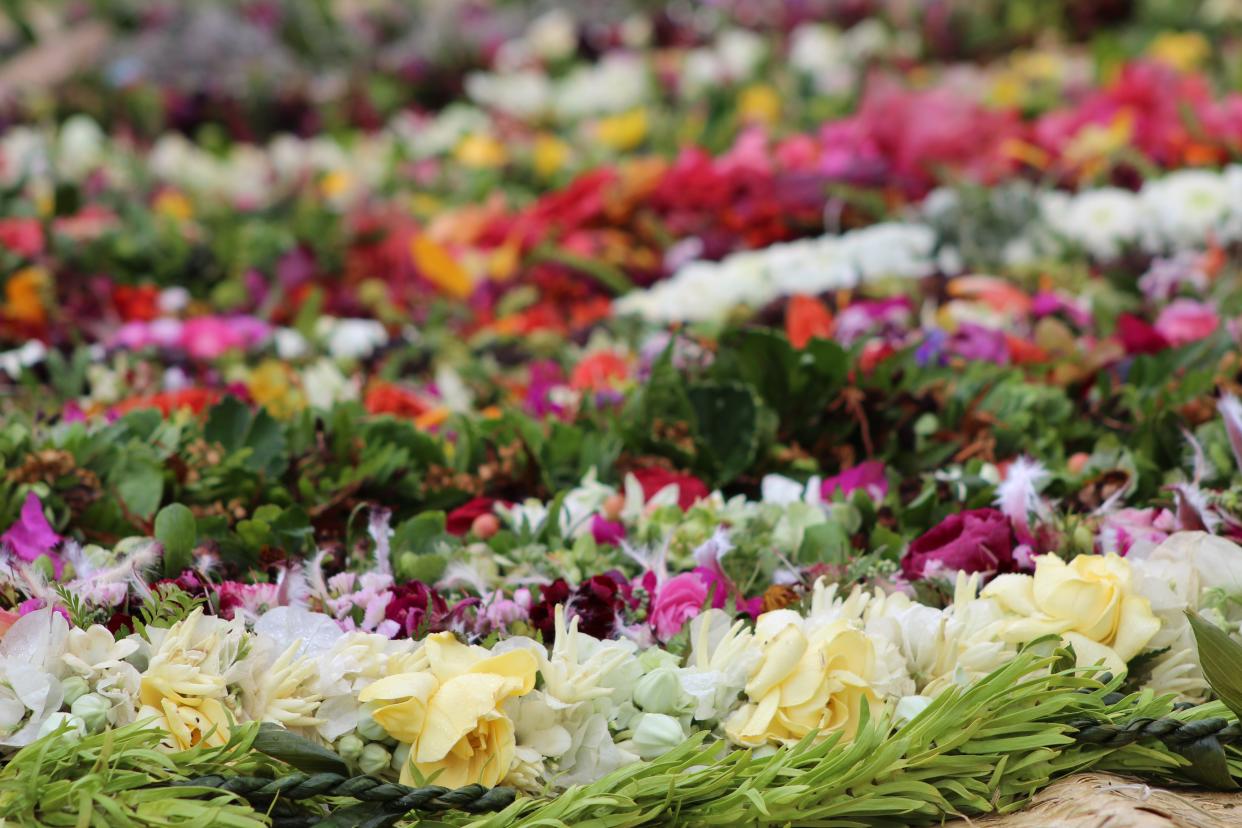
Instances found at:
x=1184 y=208
x=1101 y=221
x=524 y=94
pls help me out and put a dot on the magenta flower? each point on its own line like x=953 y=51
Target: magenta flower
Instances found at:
x=977 y=540
x=868 y=476
x=31 y=535
x=678 y=600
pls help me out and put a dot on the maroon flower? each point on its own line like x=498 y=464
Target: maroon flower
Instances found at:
x=598 y=603
x=1138 y=337
x=977 y=540
x=420 y=610
x=543 y=613
x=690 y=489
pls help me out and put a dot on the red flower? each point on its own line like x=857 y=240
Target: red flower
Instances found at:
x=23 y=236
x=1138 y=337
x=690 y=489
x=138 y=303
x=601 y=371
x=598 y=603
x=195 y=399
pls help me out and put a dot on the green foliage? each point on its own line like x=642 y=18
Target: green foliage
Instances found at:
x=176 y=531
x=164 y=606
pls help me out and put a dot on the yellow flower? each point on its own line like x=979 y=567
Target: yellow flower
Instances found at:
x=481 y=151
x=1184 y=51
x=174 y=205
x=438 y=265
x=449 y=712
x=622 y=132
x=759 y=103
x=335 y=184
x=270 y=386
x=1090 y=602
x=183 y=688
x=549 y=155
x=809 y=678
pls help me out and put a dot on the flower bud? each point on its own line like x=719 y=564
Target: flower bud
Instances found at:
x=659 y=691
x=375 y=759
x=657 y=734
x=73 y=688
x=53 y=722
x=349 y=747
x=484 y=526
x=93 y=710
x=370 y=729
x=400 y=755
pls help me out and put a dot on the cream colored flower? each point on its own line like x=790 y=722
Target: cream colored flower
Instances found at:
x=1090 y=602
x=184 y=688
x=811 y=677
x=280 y=688
x=450 y=712
x=94 y=655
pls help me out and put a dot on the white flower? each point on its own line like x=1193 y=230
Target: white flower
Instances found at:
x=617 y=82
x=98 y=658
x=525 y=94
x=1184 y=207
x=1102 y=221
x=325 y=385
x=722 y=656
x=30 y=673
x=351 y=338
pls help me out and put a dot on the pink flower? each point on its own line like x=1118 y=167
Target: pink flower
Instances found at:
x=678 y=600
x=868 y=476
x=31 y=535
x=1124 y=528
x=1184 y=321
x=496 y=613
x=23 y=236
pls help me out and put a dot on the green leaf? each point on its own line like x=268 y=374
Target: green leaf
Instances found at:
x=297 y=750
x=227 y=423
x=140 y=484
x=176 y=531
x=1221 y=658
x=728 y=424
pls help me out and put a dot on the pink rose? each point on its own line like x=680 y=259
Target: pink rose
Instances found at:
x=677 y=601
x=977 y=540
x=1184 y=321
x=23 y=236
x=868 y=476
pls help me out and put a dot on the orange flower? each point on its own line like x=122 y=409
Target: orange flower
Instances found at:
x=23 y=296
x=386 y=398
x=195 y=399
x=807 y=318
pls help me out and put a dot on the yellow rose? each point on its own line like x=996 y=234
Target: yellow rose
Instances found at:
x=809 y=678
x=449 y=712
x=1090 y=602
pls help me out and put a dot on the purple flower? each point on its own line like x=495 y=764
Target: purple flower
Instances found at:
x=31 y=535
x=931 y=349
x=977 y=343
